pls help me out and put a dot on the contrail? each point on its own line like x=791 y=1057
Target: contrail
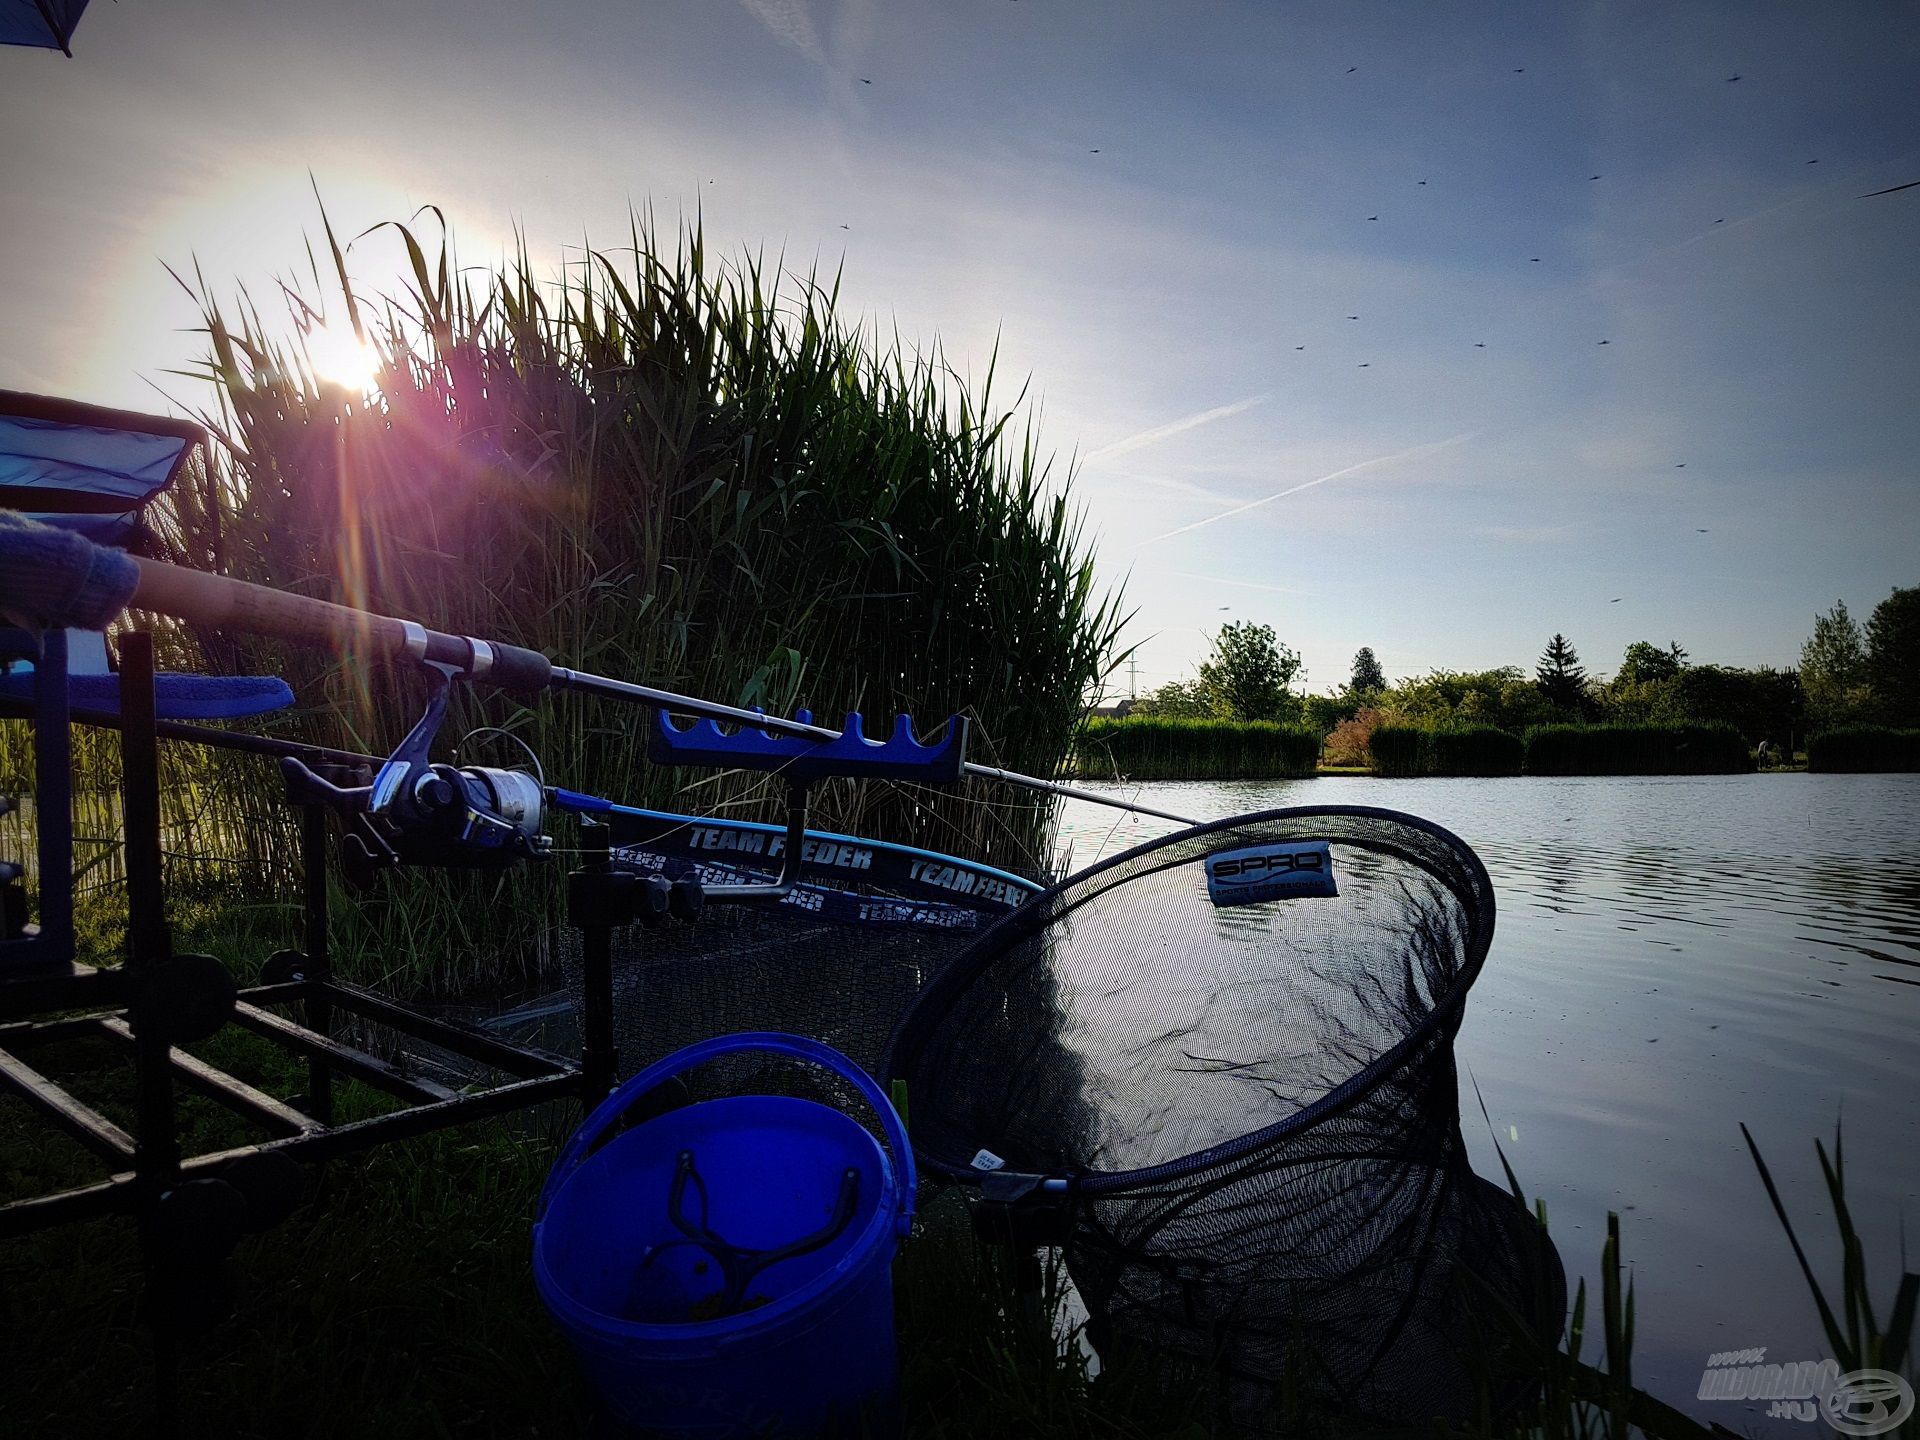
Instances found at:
x=1821 y=192
x=1417 y=450
x=1173 y=427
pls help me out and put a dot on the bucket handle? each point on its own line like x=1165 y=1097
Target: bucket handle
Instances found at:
x=797 y=1047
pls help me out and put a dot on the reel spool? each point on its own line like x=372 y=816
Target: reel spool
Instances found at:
x=418 y=812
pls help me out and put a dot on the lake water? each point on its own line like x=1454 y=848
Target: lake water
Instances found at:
x=1674 y=956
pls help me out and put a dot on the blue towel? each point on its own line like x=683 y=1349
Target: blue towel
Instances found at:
x=52 y=578
x=176 y=697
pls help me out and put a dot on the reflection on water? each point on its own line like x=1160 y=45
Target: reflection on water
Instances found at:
x=1674 y=956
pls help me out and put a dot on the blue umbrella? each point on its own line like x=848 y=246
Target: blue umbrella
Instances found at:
x=47 y=24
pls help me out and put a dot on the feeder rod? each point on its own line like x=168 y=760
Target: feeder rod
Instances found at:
x=1053 y=787
x=218 y=601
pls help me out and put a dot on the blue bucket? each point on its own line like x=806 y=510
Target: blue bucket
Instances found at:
x=726 y=1269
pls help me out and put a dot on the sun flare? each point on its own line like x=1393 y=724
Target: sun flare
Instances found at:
x=339 y=357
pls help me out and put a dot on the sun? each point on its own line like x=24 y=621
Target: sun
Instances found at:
x=339 y=357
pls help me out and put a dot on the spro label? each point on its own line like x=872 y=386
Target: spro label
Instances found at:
x=1293 y=869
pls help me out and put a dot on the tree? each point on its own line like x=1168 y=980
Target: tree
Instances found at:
x=1833 y=667
x=1763 y=704
x=1646 y=663
x=1247 y=677
x=1177 y=699
x=1560 y=675
x=1323 y=712
x=1502 y=697
x=1367 y=674
x=1893 y=657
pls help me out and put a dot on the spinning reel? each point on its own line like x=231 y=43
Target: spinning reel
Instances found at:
x=416 y=812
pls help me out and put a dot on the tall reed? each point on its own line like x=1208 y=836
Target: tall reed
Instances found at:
x=666 y=467
x=1864 y=749
x=1157 y=747
x=1402 y=751
x=1710 y=749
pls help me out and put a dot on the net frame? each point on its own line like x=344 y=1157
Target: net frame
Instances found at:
x=1355 y=1216
x=1044 y=910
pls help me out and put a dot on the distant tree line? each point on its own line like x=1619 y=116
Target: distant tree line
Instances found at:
x=1848 y=674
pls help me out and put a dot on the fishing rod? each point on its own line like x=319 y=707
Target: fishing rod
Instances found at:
x=220 y=602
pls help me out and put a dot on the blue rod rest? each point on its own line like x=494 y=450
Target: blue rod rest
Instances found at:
x=852 y=754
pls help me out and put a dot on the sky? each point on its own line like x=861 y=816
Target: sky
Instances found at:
x=1633 y=358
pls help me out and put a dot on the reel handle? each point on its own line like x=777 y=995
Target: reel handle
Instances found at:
x=305 y=787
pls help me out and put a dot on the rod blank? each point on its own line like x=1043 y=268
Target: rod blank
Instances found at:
x=219 y=602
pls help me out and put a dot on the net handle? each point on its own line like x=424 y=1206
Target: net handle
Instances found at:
x=768 y=1042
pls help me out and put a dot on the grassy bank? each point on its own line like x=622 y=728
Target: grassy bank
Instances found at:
x=1165 y=748
x=398 y=1300
x=1865 y=749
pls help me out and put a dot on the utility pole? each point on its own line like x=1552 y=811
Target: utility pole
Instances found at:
x=1133 y=671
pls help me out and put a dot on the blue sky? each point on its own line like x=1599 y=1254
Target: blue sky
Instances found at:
x=1763 y=321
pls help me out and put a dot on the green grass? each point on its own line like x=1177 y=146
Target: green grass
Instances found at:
x=1864 y=749
x=1155 y=747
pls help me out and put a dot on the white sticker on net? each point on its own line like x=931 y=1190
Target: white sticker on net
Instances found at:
x=987 y=1160
x=1288 y=870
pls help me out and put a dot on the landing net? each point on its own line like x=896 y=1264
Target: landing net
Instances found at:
x=1254 y=1101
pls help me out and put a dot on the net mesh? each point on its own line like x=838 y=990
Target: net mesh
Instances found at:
x=1258 y=1106
x=815 y=965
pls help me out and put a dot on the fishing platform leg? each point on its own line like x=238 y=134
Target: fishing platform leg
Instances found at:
x=597 y=900
x=157 y=1153
x=317 y=961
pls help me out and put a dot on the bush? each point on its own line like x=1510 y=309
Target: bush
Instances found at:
x=1349 y=742
x=1712 y=749
x=1864 y=749
x=1154 y=747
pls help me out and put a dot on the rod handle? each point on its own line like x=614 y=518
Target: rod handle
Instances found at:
x=222 y=603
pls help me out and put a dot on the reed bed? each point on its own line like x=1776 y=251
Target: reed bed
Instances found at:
x=1475 y=750
x=1693 y=749
x=659 y=466
x=1154 y=747
x=1405 y=751
x=220 y=829
x=1864 y=749
x=1399 y=752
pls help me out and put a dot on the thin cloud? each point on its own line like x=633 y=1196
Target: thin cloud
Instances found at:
x=1173 y=427
x=1114 y=482
x=1528 y=534
x=1236 y=584
x=791 y=22
x=1414 y=453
